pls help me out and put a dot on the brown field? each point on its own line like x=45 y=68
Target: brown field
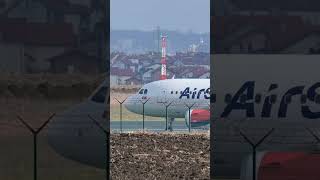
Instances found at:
x=16 y=152
x=16 y=161
x=160 y=156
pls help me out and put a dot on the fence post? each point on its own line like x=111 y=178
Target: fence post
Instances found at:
x=35 y=134
x=254 y=150
x=107 y=134
x=167 y=106
x=121 y=102
x=189 y=109
x=143 y=103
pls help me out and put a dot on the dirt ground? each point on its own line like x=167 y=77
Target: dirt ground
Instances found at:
x=16 y=161
x=160 y=156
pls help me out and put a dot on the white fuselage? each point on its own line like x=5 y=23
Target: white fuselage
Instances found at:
x=179 y=92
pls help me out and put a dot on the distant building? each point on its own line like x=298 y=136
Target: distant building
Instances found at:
x=145 y=68
x=265 y=34
x=194 y=72
x=119 y=76
x=133 y=81
x=35 y=42
x=132 y=64
x=74 y=61
x=154 y=75
x=205 y=75
x=33 y=31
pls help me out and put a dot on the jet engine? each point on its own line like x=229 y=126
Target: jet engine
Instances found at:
x=282 y=166
x=199 y=117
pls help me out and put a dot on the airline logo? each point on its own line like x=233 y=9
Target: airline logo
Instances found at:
x=189 y=93
x=248 y=91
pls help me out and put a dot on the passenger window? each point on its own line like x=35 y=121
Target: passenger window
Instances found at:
x=100 y=96
x=176 y=92
x=171 y=92
x=145 y=91
x=141 y=91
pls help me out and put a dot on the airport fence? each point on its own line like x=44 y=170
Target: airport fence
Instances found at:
x=153 y=114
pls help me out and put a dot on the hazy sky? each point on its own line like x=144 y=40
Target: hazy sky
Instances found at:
x=182 y=15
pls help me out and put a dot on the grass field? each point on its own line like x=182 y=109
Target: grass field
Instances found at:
x=16 y=162
x=16 y=144
x=128 y=116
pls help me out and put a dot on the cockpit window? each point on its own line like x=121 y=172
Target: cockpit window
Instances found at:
x=145 y=91
x=100 y=96
x=141 y=91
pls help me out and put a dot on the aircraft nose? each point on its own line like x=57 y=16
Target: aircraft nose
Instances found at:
x=131 y=103
x=73 y=135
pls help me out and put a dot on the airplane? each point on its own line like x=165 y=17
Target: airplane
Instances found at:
x=179 y=95
x=73 y=135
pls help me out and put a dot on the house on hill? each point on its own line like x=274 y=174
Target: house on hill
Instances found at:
x=154 y=75
x=27 y=46
x=119 y=76
x=265 y=34
x=33 y=31
x=195 y=72
x=74 y=61
x=133 y=81
x=126 y=63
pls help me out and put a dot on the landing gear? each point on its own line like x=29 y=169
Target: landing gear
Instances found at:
x=170 y=127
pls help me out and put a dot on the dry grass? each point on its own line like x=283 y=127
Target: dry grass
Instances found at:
x=160 y=156
x=16 y=152
x=34 y=111
x=126 y=115
x=16 y=161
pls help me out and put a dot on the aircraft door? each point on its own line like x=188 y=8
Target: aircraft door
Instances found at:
x=162 y=98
